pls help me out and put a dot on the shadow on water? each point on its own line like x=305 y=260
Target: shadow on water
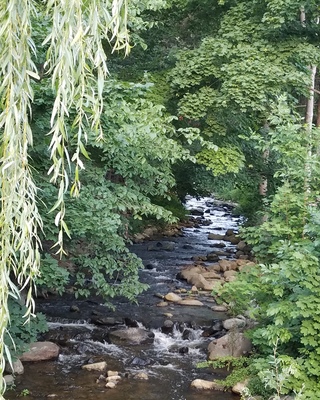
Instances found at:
x=170 y=370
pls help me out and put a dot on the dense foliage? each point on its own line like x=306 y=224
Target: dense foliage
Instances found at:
x=215 y=97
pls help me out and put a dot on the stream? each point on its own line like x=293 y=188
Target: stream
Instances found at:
x=179 y=342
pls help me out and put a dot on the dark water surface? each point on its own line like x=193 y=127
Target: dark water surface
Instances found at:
x=170 y=373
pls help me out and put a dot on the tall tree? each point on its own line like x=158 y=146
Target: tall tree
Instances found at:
x=76 y=63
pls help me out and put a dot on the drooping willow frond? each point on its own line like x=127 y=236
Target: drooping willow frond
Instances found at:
x=77 y=65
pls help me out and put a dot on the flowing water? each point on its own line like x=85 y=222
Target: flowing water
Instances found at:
x=170 y=362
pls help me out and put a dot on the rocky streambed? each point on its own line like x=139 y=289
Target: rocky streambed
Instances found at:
x=149 y=350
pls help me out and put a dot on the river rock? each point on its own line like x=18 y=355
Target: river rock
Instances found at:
x=41 y=351
x=112 y=373
x=142 y=376
x=190 y=302
x=227 y=265
x=233 y=344
x=131 y=336
x=219 y=308
x=111 y=385
x=173 y=297
x=162 y=304
x=16 y=368
x=113 y=378
x=99 y=366
x=227 y=274
x=212 y=257
x=159 y=246
x=9 y=380
x=202 y=384
x=233 y=239
x=187 y=272
x=215 y=236
x=211 y=275
x=239 y=387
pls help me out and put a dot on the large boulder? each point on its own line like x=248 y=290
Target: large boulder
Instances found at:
x=41 y=351
x=131 y=336
x=233 y=344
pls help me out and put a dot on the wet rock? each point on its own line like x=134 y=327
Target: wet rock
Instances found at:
x=16 y=368
x=187 y=272
x=230 y=232
x=111 y=385
x=227 y=274
x=232 y=344
x=211 y=275
x=212 y=257
x=227 y=265
x=162 y=304
x=199 y=258
x=190 y=302
x=107 y=321
x=141 y=376
x=234 y=323
x=132 y=323
x=112 y=373
x=202 y=384
x=161 y=246
x=187 y=334
x=239 y=387
x=233 y=239
x=99 y=366
x=159 y=295
x=215 y=236
x=196 y=211
x=218 y=245
x=113 y=378
x=216 y=327
x=219 y=308
x=140 y=362
x=183 y=350
x=150 y=266
x=41 y=351
x=9 y=380
x=131 y=336
x=74 y=308
x=173 y=297
x=167 y=326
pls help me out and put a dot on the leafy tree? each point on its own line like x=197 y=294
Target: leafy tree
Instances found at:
x=65 y=44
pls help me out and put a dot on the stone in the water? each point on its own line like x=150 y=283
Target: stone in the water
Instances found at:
x=112 y=373
x=190 y=302
x=111 y=385
x=142 y=376
x=41 y=351
x=16 y=368
x=140 y=362
x=113 y=378
x=131 y=336
x=173 y=297
x=215 y=236
x=202 y=384
x=219 y=308
x=99 y=366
